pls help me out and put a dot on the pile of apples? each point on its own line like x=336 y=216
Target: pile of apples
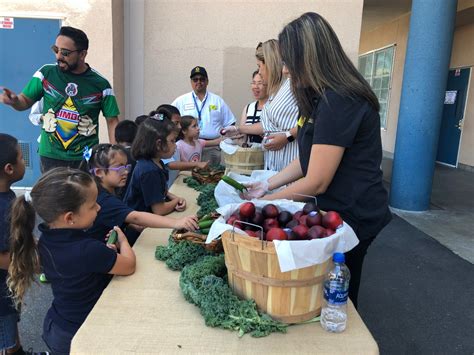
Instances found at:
x=307 y=224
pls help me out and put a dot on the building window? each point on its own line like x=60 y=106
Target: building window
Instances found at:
x=376 y=67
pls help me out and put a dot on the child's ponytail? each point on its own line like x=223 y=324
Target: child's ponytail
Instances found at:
x=23 y=250
x=58 y=191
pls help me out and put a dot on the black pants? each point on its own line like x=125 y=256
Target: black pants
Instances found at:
x=354 y=261
x=48 y=163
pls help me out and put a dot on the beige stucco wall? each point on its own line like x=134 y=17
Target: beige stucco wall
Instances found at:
x=396 y=32
x=222 y=36
x=94 y=17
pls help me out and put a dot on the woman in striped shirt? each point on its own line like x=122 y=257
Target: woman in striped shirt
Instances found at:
x=280 y=113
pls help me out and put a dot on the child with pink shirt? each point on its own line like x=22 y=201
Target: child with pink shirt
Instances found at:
x=190 y=147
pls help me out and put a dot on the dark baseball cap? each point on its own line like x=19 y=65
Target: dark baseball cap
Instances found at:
x=198 y=71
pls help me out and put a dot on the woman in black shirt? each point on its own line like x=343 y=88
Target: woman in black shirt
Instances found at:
x=340 y=149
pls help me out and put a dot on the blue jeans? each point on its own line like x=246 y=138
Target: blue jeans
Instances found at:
x=8 y=331
x=58 y=340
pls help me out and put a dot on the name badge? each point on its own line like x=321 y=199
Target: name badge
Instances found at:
x=189 y=107
x=301 y=121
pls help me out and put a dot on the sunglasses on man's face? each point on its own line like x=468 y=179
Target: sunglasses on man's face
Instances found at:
x=64 y=52
x=201 y=79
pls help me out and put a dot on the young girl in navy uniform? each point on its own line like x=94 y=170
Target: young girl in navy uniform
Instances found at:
x=108 y=164
x=77 y=265
x=174 y=164
x=148 y=188
x=12 y=169
x=340 y=149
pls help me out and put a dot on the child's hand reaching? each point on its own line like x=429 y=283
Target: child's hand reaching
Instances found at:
x=189 y=223
x=181 y=206
x=202 y=164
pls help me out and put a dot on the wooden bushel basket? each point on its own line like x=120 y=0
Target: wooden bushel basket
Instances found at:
x=244 y=161
x=254 y=273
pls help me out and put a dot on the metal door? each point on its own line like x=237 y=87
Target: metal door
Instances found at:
x=453 y=116
x=25 y=47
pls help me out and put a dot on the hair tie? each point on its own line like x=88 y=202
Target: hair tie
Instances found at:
x=87 y=153
x=27 y=196
x=158 y=116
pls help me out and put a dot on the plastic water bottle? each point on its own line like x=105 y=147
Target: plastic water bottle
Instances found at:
x=335 y=292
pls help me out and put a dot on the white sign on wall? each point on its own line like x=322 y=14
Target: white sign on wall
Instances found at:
x=450 y=97
x=7 y=23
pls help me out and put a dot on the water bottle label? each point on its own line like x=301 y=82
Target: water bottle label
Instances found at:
x=334 y=296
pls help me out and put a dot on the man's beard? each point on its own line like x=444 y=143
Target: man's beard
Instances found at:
x=68 y=68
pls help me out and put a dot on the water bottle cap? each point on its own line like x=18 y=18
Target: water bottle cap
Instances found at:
x=338 y=257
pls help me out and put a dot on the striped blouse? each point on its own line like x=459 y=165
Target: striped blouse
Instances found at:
x=280 y=114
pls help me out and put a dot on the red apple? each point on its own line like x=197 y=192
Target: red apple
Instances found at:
x=235 y=219
x=313 y=219
x=303 y=219
x=309 y=207
x=332 y=220
x=270 y=211
x=329 y=232
x=284 y=217
x=317 y=232
x=292 y=223
x=301 y=231
x=276 y=234
x=290 y=234
x=297 y=215
x=270 y=223
x=232 y=219
x=257 y=219
x=252 y=234
x=247 y=210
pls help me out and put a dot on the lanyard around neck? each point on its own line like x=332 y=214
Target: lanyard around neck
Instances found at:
x=197 y=108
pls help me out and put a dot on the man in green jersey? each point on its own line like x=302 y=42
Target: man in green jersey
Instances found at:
x=73 y=95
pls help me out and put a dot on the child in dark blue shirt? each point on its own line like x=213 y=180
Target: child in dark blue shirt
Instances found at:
x=148 y=189
x=173 y=164
x=108 y=164
x=125 y=133
x=12 y=169
x=77 y=265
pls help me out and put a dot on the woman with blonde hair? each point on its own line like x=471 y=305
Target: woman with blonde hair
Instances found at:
x=280 y=113
x=339 y=141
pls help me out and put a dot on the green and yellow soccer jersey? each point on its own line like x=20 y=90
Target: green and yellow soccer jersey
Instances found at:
x=70 y=96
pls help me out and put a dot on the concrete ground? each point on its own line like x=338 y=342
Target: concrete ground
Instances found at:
x=416 y=281
x=450 y=219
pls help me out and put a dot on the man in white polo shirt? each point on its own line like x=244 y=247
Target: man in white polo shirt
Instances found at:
x=210 y=110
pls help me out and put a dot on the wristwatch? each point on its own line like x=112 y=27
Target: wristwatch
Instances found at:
x=289 y=137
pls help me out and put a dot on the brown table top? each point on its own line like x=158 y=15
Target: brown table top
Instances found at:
x=146 y=313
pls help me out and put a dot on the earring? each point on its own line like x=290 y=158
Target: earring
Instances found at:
x=72 y=222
